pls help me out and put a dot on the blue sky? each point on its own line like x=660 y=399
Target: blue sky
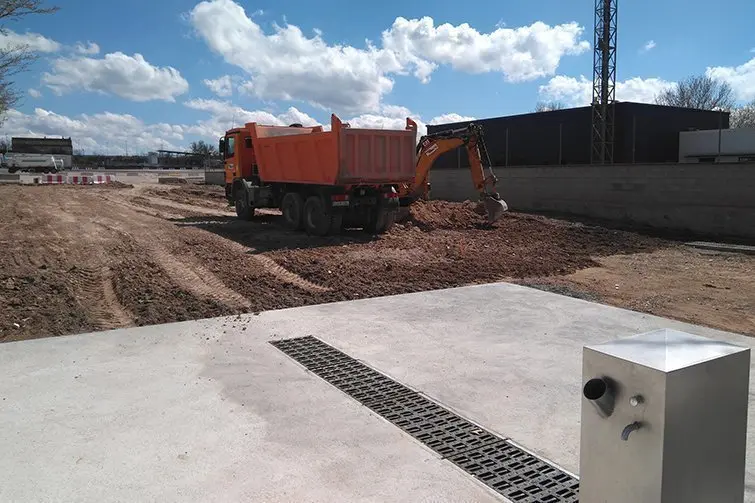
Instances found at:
x=426 y=59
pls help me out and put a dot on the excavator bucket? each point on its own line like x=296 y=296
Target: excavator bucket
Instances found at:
x=495 y=207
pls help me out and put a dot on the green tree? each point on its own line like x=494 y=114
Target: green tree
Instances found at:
x=15 y=58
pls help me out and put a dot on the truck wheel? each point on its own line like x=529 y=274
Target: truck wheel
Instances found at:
x=293 y=211
x=381 y=221
x=318 y=221
x=243 y=210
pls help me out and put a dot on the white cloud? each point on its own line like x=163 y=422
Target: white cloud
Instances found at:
x=35 y=93
x=222 y=86
x=520 y=54
x=224 y=115
x=101 y=133
x=130 y=77
x=386 y=117
x=89 y=49
x=450 y=119
x=110 y=133
x=572 y=91
x=741 y=78
x=578 y=92
x=31 y=41
x=649 y=46
x=394 y=117
x=288 y=65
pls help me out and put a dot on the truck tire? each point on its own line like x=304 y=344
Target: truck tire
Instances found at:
x=243 y=210
x=293 y=211
x=318 y=219
x=381 y=221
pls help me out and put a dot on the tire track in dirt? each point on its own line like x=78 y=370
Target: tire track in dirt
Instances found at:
x=30 y=257
x=283 y=274
x=194 y=278
x=97 y=297
x=271 y=267
x=204 y=210
x=115 y=311
x=185 y=273
x=145 y=209
x=268 y=264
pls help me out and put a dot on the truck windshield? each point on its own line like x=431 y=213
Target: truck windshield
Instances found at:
x=230 y=143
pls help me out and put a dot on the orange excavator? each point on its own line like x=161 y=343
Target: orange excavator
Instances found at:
x=431 y=146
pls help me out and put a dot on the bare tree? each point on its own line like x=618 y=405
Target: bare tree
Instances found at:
x=701 y=92
x=547 y=106
x=15 y=58
x=743 y=117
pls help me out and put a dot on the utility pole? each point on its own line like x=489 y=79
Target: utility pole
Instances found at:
x=604 y=81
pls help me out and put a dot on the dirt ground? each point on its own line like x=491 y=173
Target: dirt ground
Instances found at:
x=80 y=259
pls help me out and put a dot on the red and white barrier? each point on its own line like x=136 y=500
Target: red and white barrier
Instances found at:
x=43 y=179
x=103 y=178
x=80 y=179
x=89 y=179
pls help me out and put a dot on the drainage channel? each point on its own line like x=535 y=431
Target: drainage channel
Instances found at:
x=510 y=470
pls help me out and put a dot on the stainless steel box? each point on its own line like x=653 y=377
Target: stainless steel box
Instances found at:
x=664 y=419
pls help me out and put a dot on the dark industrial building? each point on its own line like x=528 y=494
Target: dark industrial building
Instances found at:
x=643 y=134
x=60 y=146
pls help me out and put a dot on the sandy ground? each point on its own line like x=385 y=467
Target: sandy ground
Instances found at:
x=79 y=259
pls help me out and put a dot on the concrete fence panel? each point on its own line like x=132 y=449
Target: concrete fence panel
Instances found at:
x=706 y=199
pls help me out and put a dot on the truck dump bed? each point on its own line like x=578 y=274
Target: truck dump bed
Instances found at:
x=341 y=156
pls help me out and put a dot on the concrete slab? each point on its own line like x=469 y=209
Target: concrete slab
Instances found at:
x=209 y=411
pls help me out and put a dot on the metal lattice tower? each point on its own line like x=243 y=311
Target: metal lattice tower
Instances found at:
x=604 y=81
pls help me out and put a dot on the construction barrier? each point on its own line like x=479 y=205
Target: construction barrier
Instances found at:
x=103 y=178
x=80 y=179
x=43 y=179
x=89 y=179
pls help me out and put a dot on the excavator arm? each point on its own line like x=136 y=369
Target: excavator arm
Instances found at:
x=434 y=145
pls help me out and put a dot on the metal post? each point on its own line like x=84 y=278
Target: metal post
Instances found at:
x=560 y=142
x=720 y=127
x=507 y=147
x=634 y=138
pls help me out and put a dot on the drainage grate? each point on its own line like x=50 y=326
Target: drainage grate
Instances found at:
x=515 y=473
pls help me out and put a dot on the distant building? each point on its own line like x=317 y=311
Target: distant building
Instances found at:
x=60 y=148
x=644 y=133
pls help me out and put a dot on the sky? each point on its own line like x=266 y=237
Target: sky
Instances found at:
x=131 y=77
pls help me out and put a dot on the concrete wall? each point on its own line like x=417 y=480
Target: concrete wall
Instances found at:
x=705 y=199
x=214 y=177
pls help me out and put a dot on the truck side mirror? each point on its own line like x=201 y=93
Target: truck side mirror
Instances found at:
x=221 y=148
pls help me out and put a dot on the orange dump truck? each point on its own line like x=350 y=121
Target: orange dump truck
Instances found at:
x=321 y=180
